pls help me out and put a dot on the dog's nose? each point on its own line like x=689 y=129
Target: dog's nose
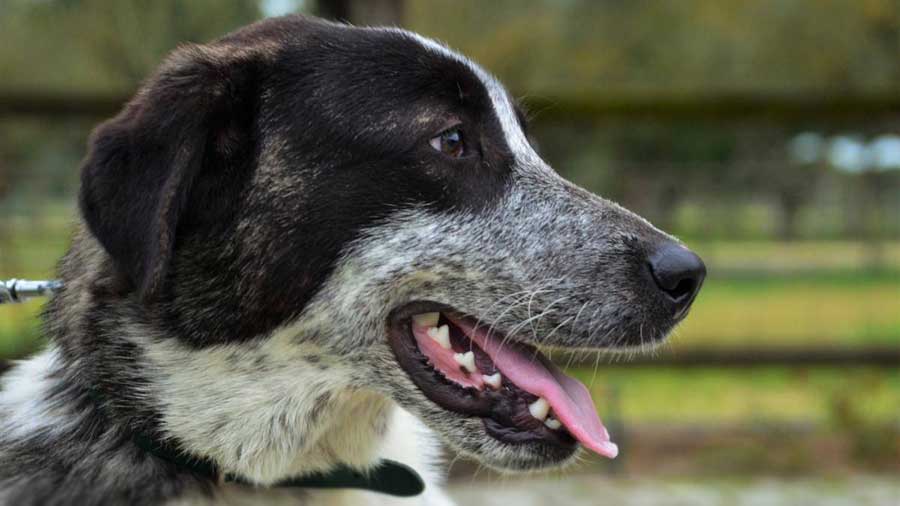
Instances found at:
x=678 y=273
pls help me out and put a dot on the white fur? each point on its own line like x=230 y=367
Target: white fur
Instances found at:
x=410 y=442
x=250 y=412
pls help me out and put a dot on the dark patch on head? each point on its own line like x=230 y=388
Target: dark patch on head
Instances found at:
x=341 y=116
x=153 y=172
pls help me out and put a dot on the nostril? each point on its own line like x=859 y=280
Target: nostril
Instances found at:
x=677 y=272
x=684 y=288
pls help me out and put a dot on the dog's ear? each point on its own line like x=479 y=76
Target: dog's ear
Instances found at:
x=192 y=119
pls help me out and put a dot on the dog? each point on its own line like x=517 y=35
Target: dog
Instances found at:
x=308 y=246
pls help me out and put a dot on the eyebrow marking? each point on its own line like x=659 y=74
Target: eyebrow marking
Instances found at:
x=513 y=130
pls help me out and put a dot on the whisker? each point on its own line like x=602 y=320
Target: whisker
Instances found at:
x=577 y=315
x=517 y=328
x=547 y=338
x=499 y=319
x=491 y=307
x=596 y=367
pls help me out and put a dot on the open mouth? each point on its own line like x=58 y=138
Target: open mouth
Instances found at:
x=466 y=367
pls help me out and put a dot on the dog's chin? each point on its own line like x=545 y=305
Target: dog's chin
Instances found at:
x=469 y=436
x=491 y=396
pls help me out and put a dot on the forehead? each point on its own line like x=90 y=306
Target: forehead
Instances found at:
x=381 y=76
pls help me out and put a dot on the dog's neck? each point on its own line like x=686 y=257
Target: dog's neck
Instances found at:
x=266 y=410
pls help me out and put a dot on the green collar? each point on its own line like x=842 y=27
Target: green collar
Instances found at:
x=388 y=477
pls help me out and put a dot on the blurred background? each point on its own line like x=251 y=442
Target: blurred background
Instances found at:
x=765 y=134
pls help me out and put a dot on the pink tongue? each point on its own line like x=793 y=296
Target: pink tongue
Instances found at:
x=530 y=371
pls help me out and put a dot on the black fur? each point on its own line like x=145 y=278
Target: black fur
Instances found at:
x=356 y=152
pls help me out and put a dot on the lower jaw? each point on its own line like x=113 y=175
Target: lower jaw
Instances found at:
x=521 y=457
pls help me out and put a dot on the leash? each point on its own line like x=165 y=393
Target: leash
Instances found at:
x=20 y=290
x=388 y=477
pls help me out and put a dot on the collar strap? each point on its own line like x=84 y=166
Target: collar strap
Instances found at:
x=388 y=477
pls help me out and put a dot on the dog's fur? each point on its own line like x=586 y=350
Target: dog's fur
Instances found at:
x=250 y=219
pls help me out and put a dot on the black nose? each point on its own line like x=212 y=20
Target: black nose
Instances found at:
x=678 y=272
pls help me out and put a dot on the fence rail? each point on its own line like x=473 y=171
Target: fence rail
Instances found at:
x=584 y=106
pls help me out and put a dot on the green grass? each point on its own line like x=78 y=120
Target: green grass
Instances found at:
x=798 y=256
x=819 y=310
x=29 y=248
x=757 y=396
x=19 y=329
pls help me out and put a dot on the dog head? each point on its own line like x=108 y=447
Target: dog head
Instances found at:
x=373 y=194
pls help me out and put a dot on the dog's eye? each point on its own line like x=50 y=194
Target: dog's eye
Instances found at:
x=450 y=142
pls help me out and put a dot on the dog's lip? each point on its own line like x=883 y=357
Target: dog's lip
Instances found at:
x=530 y=373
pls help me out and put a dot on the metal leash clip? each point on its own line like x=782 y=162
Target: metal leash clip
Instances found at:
x=20 y=290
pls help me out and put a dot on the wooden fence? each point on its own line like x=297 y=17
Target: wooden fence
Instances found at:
x=571 y=107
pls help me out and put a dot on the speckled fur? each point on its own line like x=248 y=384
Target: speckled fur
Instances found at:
x=541 y=260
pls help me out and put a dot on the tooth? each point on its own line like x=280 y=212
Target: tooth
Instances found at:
x=427 y=320
x=494 y=380
x=539 y=408
x=467 y=360
x=441 y=335
x=552 y=423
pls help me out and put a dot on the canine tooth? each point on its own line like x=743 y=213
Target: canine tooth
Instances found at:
x=552 y=423
x=427 y=320
x=441 y=335
x=539 y=408
x=467 y=360
x=494 y=380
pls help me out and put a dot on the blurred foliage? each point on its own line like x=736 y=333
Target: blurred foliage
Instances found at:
x=823 y=309
x=796 y=45
x=84 y=45
x=665 y=170
x=753 y=396
x=673 y=173
x=767 y=45
x=872 y=441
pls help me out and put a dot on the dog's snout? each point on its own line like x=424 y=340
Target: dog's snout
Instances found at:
x=678 y=272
